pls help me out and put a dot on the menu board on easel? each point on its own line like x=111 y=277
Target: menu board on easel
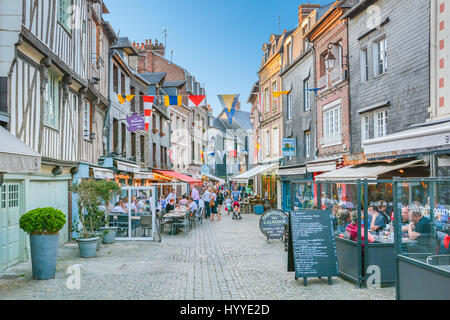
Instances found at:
x=312 y=247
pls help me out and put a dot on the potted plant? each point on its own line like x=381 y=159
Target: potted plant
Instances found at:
x=104 y=191
x=43 y=225
x=85 y=228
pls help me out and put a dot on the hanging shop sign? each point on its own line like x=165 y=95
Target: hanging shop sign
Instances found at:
x=289 y=147
x=135 y=122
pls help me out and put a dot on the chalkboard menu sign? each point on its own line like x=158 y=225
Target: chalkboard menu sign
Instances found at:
x=312 y=247
x=272 y=223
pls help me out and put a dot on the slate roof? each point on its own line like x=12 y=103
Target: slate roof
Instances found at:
x=171 y=84
x=154 y=78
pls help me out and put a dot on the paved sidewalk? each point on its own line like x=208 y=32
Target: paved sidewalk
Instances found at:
x=217 y=260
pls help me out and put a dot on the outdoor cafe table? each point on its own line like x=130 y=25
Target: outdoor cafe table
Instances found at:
x=175 y=215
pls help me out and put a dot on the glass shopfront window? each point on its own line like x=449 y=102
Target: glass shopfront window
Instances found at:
x=424 y=207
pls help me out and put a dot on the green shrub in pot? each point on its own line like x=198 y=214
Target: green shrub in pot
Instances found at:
x=43 y=226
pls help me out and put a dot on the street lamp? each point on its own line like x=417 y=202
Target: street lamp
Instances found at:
x=330 y=59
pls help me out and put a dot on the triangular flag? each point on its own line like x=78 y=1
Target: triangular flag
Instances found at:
x=122 y=98
x=229 y=103
x=258 y=146
x=276 y=94
x=173 y=100
x=197 y=101
x=221 y=154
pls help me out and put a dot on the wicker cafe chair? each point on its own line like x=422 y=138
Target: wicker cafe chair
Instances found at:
x=146 y=223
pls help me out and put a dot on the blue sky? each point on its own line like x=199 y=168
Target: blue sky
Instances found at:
x=219 y=42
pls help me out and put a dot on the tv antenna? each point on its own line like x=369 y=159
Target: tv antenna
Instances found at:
x=279 y=23
x=165 y=37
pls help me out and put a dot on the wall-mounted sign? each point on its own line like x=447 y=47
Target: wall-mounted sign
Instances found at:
x=135 y=122
x=289 y=147
x=354 y=159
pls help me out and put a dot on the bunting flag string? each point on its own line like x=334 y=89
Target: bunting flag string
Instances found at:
x=197 y=101
x=148 y=106
x=276 y=94
x=122 y=98
x=173 y=100
x=229 y=103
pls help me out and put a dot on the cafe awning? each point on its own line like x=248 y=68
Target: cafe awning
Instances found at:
x=244 y=177
x=424 y=139
x=370 y=171
x=100 y=173
x=128 y=167
x=211 y=177
x=180 y=176
x=144 y=175
x=16 y=156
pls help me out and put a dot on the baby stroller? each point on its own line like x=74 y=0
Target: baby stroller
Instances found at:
x=237 y=210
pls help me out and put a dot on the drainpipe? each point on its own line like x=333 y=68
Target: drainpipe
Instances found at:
x=315 y=102
x=107 y=117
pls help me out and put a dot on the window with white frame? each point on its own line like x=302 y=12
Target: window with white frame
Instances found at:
x=365 y=127
x=380 y=57
x=275 y=141
x=266 y=100
x=274 y=89
x=364 y=65
x=332 y=126
x=289 y=106
x=380 y=121
x=306 y=95
x=267 y=144
x=51 y=103
x=307 y=144
x=87 y=120
x=65 y=14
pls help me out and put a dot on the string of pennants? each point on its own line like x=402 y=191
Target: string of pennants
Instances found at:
x=136 y=122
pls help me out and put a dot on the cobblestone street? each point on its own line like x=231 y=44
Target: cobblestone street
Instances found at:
x=217 y=260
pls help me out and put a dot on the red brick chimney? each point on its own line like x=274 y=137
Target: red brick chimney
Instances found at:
x=305 y=9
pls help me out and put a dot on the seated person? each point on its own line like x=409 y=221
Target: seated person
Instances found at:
x=405 y=219
x=345 y=219
x=419 y=226
x=352 y=228
x=192 y=205
x=375 y=221
x=444 y=245
x=171 y=205
x=118 y=208
x=183 y=201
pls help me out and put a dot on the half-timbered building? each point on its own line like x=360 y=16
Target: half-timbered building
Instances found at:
x=45 y=65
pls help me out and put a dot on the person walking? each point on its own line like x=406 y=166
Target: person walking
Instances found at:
x=195 y=195
x=206 y=197
x=220 y=199
x=213 y=204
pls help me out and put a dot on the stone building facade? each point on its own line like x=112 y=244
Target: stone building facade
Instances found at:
x=389 y=68
x=329 y=34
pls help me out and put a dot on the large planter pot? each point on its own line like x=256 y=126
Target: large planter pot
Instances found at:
x=44 y=253
x=110 y=236
x=88 y=247
x=99 y=241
